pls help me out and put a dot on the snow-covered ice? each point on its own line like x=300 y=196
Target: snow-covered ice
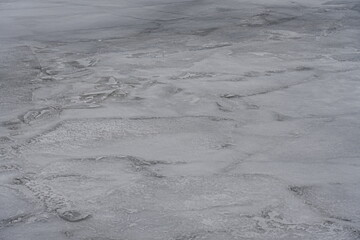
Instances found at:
x=180 y=119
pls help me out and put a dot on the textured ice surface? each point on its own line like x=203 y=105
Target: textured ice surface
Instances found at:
x=179 y=119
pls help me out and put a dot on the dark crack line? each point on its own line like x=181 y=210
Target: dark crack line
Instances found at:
x=265 y=91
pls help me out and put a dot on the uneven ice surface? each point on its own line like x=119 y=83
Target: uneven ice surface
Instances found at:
x=180 y=119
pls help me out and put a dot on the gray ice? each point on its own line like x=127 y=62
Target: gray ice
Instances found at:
x=180 y=119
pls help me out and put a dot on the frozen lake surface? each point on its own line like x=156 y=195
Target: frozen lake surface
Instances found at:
x=180 y=119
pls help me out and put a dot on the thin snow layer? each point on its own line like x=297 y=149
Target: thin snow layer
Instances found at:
x=180 y=119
